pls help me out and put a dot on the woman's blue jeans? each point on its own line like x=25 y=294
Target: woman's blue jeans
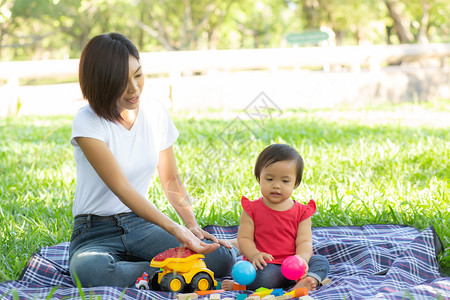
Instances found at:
x=271 y=277
x=116 y=250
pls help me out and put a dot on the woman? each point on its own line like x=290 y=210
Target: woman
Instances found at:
x=117 y=147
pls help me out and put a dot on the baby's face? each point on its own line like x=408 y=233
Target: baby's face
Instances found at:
x=277 y=183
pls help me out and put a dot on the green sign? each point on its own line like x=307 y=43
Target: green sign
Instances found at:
x=307 y=37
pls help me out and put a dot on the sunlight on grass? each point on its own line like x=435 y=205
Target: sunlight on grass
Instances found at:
x=360 y=167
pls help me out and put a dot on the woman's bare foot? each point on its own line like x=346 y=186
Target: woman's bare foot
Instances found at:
x=308 y=282
x=229 y=243
x=235 y=243
x=227 y=285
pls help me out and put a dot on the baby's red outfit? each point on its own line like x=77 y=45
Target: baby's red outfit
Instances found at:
x=276 y=231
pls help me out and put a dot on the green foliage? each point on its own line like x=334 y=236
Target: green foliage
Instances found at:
x=358 y=171
x=59 y=29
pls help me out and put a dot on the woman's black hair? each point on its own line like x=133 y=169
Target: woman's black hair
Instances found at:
x=279 y=152
x=103 y=72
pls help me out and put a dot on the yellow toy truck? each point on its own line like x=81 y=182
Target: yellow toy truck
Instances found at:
x=181 y=270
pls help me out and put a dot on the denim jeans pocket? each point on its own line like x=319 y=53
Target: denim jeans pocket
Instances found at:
x=77 y=232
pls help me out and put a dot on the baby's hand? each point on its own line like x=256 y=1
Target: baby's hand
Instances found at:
x=259 y=260
x=306 y=269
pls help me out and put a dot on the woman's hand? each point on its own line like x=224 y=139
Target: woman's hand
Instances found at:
x=189 y=240
x=201 y=234
x=259 y=259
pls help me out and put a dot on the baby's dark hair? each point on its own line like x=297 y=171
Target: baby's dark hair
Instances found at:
x=279 y=152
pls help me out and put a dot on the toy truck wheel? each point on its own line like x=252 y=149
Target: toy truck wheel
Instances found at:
x=173 y=282
x=153 y=282
x=201 y=282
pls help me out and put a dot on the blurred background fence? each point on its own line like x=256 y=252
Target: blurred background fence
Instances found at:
x=306 y=77
x=221 y=53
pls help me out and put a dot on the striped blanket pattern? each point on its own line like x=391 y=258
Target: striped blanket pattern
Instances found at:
x=367 y=262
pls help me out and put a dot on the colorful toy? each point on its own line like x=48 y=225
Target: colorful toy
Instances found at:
x=263 y=292
x=142 y=282
x=298 y=292
x=239 y=287
x=209 y=292
x=243 y=272
x=293 y=267
x=181 y=269
x=188 y=296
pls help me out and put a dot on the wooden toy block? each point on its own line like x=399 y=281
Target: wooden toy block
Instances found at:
x=208 y=292
x=283 y=297
x=268 y=297
x=306 y=298
x=228 y=298
x=241 y=296
x=214 y=297
x=238 y=287
x=188 y=296
x=253 y=298
x=326 y=281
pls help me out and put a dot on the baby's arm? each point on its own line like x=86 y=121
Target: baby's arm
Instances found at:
x=247 y=242
x=303 y=242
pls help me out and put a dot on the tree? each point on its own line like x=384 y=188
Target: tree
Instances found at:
x=401 y=22
x=6 y=23
x=181 y=24
x=348 y=19
x=60 y=28
x=415 y=20
x=16 y=33
x=261 y=24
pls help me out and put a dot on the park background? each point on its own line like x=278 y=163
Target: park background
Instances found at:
x=368 y=108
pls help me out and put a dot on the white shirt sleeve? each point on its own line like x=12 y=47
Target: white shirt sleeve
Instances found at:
x=87 y=124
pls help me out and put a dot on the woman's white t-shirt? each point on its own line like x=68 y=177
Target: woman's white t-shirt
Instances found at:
x=136 y=150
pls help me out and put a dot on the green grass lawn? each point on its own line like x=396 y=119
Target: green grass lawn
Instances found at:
x=378 y=165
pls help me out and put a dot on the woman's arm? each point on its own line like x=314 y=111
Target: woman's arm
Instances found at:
x=107 y=167
x=176 y=194
x=174 y=189
x=247 y=242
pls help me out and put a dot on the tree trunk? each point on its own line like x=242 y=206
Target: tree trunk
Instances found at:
x=422 y=34
x=339 y=37
x=311 y=11
x=401 y=24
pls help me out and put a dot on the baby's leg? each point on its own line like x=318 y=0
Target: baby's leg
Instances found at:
x=318 y=270
x=270 y=277
x=308 y=282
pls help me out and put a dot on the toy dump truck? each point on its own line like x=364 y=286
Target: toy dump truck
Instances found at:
x=181 y=270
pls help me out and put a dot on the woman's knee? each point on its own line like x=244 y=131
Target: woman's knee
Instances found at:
x=91 y=268
x=221 y=261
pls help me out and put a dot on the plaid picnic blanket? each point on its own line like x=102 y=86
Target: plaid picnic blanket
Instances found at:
x=367 y=262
